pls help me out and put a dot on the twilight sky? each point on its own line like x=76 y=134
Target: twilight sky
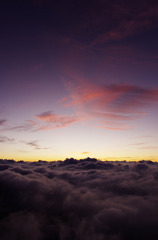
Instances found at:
x=79 y=79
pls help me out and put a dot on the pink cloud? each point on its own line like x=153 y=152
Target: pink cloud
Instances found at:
x=117 y=128
x=137 y=23
x=115 y=125
x=84 y=92
x=152 y=147
x=137 y=144
x=117 y=102
x=48 y=121
x=126 y=98
x=55 y=120
x=113 y=116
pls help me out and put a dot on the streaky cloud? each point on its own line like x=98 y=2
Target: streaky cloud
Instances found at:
x=28 y=125
x=35 y=145
x=56 y=120
x=137 y=23
x=116 y=102
x=4 y=139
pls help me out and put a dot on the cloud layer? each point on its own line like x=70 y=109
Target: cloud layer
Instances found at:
x=78 y=199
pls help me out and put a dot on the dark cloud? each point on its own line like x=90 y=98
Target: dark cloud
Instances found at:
x=131 y=20
x=4 y=139
x=2 y=121
x=35 y=145
x=78 y=199
x=92 y=22
x=28 y=125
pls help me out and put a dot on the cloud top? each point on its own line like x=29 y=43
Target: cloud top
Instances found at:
x=78 y=199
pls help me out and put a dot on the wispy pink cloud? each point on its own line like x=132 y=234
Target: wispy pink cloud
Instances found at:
x=137 y=23
x=124 y=30
x=114 y=116
x=115 y=125
x=126 y=98
x=116 y=102
x=151 y=147
x=117 y=128
x=56 y=120
x=137 y=144
x=44 y=121
x=84 y=92
x=145 y=136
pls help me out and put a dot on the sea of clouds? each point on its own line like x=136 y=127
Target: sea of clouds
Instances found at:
x=78 y=199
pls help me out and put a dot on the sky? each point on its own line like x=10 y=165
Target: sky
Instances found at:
x=79 y=79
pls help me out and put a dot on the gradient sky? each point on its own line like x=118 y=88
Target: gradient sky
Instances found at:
x=79 y=79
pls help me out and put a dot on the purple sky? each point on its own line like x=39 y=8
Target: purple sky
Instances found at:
x=79 y=78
